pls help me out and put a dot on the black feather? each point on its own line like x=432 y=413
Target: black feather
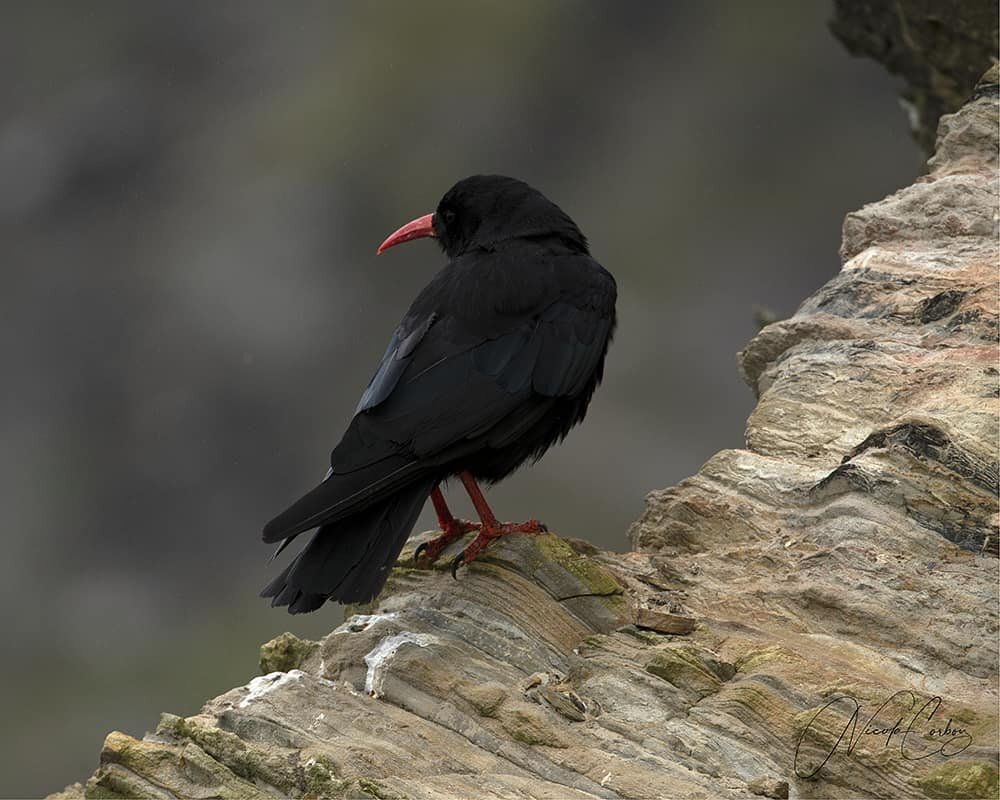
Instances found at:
x=349 y=561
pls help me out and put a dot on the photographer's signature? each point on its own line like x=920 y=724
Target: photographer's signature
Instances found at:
x=920 y=734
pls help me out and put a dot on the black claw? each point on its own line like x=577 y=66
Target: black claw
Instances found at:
x=455 y=564
x=420 y=548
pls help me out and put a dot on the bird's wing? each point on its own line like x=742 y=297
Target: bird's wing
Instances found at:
x=445 y=387
x=395 y=360
x=574 y=335
x=459 y=385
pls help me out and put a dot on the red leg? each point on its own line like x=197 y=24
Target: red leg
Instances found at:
x=446 y=520
x=490 y=528
x=478 y=501
x=451 y=529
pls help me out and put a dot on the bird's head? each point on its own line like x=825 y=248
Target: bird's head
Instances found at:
x=483 y=211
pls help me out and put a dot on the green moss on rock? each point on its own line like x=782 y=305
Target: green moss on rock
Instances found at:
x=373 y=788
x=691 y=668
x=322 y=780
x=616 y=604
x=591 y=574
x=960 y=780
x=118 y=784
x=285 y=652
x=136 y=768
x=767 y=655
x=637 y=633
x=244 y=759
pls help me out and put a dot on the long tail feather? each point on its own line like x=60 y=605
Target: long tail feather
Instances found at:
x=349 y=560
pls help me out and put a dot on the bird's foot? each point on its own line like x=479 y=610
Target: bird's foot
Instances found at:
x=450 y=531
x=487 y=535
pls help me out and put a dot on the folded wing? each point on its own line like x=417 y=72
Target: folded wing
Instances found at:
x=445 y=388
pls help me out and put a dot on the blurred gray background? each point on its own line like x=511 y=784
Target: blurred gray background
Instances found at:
x=190 y=199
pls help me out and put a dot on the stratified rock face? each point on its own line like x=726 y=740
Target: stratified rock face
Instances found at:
x=939 y=47
x=843 y=561
x=850 y=548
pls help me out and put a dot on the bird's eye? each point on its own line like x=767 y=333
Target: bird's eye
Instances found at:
x=449 y=216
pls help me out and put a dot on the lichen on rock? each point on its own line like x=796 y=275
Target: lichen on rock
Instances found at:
x=285 y=652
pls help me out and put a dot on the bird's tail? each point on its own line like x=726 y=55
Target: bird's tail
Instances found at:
x=350 y=559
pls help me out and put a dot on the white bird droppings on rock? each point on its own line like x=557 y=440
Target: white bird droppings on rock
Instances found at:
x=258 y=687
x=378 y=659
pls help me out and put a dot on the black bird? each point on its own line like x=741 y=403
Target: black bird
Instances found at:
x=495 y=361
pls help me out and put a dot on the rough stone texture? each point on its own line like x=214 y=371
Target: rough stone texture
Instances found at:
x=847 y=552
x=939 y=47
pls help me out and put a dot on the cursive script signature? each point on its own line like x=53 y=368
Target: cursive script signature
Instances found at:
x=916 y=735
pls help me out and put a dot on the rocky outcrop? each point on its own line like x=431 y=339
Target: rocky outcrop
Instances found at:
x=844 y=562
x=938 y=47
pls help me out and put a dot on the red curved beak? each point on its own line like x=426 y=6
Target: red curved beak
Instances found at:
x=418 y=229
